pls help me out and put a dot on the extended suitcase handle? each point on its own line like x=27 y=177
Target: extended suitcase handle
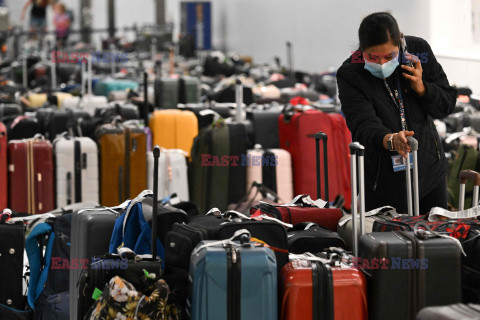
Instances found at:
x=156 y=157
x=464 y=176
x=357 y=151
x=414 y=148
x=322 y=136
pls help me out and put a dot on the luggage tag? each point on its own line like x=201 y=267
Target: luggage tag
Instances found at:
x=399 y=164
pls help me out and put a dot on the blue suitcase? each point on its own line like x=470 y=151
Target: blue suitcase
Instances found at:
x=233 y=281
x=104 y=87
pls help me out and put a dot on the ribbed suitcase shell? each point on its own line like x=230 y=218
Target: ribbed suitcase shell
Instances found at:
x=31 y=187
x=283 y=171
x=3 y=167
x=189 y=91
x=295 y=136
x=258 y=284
x=349 y=292
x=90 y=237
x=65 y=167
x=172 y=174
x=166 y=92
x=389 y=289
x=174 y=129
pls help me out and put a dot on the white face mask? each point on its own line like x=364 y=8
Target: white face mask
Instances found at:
x=382 y=71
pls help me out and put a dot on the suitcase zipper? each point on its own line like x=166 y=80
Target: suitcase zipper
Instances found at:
x=413 y=284
x=322 y=292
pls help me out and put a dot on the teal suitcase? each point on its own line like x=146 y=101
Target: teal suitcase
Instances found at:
x=234 y=281
x=104 y=87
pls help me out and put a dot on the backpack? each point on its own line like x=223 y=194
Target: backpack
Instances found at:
x=49 y=268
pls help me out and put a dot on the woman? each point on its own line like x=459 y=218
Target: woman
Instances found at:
x=385 y=100
x=38 y=14
x=61 y=20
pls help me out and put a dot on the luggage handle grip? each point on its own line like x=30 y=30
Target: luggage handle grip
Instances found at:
x=464 y=176
x=416 y=200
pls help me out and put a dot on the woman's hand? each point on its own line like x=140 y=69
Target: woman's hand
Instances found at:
x=416 y=82
x=400 y=142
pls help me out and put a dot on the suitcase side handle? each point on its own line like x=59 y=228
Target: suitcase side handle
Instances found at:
x=357 y=152
x=322 y=136
x=464 y=176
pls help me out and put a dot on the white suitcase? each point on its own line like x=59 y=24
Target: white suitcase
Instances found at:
x=281 y=169
x=76 y=175
x=172 y=173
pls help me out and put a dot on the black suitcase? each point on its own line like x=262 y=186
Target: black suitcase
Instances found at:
x=9 y=111
x=265 y=124
x=22 y=127
x=90 y=233
x=166 y=93
x=310 y=237
x=55 y=121
x=413 y=269
x=189 y=90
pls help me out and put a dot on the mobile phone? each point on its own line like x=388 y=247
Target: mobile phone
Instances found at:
x=404 y=51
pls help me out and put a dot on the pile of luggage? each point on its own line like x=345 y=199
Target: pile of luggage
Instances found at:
x=143 y=193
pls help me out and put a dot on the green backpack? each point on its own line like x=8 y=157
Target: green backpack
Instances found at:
x=467 y=158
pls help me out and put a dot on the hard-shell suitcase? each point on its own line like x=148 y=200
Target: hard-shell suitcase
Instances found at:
x=31 y=187
x=3 y=167
x=273 y=169
x=123 y=162
x=174 y=129
x=301 y=208
x=88 y=239
x=265 y=123
x=166 y=92
x=452 y=312
x=55 y=122
x=189 y=90
x=296 y=132
x=104 y=87
x=9 y=111
x=23 y=127
x=76 y=163
x=36 y=100
x=315 y=288
x=310 y=237
x=172 y=174
x=235 y=281
x=421 y=265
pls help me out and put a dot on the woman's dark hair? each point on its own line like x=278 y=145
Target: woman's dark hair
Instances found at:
x=378 y=28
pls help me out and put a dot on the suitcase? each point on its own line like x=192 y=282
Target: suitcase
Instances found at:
x=87 y=103
x=226 y=281
x=55 y=122
x=421 y=265
x=172 y=175
x=205 y=112
x=57 y=98
x=189 y=90
x=31 y=187
x=174 y=129
x=452 y=312
x=123 y=162
x=88 y=239
x=3 y=167
x=9 y=111
x=12 y=266
x=323 y=288
x=36 y=100
x=310 y=237
x=117 y=95
x=296 y=136
x=104 y=87
x=273 y=169
x=76 y=162
x=265 y=123
x=166 y=92
x=126 y=111
x=302 y=208
x=23 y=127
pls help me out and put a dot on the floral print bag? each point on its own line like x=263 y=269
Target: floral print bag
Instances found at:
x=121 y=301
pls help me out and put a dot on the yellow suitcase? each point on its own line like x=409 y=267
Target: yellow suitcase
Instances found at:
x=36 y=100
x=174 y=129
x=61 y=96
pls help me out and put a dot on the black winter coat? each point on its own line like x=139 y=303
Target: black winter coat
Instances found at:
x=371 y=113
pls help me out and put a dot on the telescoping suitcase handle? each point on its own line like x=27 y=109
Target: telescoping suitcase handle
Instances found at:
x=464 y=176
x=416 y=200
x=357 y=152
x=321 y=136
x=156 y=157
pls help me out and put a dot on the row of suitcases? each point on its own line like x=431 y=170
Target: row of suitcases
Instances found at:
x=244 y=271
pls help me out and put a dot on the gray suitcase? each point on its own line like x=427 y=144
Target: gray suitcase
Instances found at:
x=166 y=93
x=189 y=90
x=91 y=232
x=452 y=312
x=413 y=269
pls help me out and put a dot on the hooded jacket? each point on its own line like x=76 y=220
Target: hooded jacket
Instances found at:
x=371 y=114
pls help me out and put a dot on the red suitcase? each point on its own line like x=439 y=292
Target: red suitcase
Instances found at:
x=31 y=175
x=314 y=288
x=296 y=129
x=3 y=167
x=302 y=209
